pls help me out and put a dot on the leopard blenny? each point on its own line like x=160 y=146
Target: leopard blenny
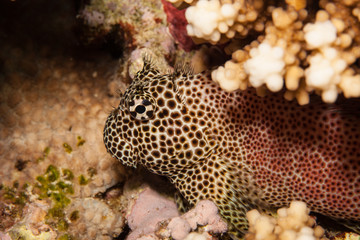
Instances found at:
x=237 y=149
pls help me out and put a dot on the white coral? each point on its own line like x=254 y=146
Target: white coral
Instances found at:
x=324 y=71
x=208 y=19
x=266 y=66
x=293 y=223
x=320 y=34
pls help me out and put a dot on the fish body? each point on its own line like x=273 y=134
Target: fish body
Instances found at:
x=237 y=149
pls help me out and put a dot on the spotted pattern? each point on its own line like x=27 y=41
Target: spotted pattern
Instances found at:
x=237 y=149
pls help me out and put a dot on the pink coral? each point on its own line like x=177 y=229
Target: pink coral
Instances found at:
x=149 y=209
x=153 y=215
x=205 y=213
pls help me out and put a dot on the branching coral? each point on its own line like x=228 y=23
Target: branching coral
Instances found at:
x=218 y=21
x=300 y=52
x=265 y=66
x=293 y=223
x=322 y=46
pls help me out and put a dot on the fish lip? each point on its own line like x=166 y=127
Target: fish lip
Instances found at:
x=122 y=149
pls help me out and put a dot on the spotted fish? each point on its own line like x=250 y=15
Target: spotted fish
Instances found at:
x=237 y=149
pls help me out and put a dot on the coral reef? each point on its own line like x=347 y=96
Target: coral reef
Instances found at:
x=52 y=111
x=43 y=128
x=292 y=223
x=204 y=214
x=55 y=173
x=293 y=48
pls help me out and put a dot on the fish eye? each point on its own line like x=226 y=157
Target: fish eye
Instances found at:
x=141 y=108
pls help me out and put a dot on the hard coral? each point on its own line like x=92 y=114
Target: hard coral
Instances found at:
x=218 y=21
x=152 y=216
x=293 y=223
x=33 y=225
x=204 y=214
x=94 y=219
x=266 y=66
x=149 y=210
x=308 y=45
x=322 y=46
x=142 y=25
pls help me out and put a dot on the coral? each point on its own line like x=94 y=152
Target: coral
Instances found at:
x=218 y=21
x=142 y=25
x=265 y=66
x=293 y=223
x=32 y=226
x=152 y=216
x=299 y=52
x=325 y=49
x=50 y=210
x=149 y=209
x=94 y=219
x=204 y=214
x=52 y=108
x=42 y=129
x=51 y=138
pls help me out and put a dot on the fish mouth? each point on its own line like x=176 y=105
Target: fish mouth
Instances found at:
x=116 y=145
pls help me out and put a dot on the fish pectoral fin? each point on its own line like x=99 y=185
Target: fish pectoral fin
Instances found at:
x=213 y=178
x=182 y=204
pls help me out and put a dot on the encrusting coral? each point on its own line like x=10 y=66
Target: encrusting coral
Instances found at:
x=153 y=216
x=296 y=51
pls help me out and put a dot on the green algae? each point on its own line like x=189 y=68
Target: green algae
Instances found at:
x=56 y=185
x=14 y=194
x=67 y=148
x=45 y=154
x=67 y=174
x=52 y=173
x=62 y=225
x=80 y=141
x=83 y=180
x=66 y=237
